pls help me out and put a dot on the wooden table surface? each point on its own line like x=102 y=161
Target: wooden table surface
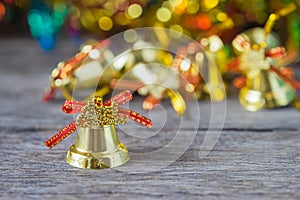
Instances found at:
x=253 y=155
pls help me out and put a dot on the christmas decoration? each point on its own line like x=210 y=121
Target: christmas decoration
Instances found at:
x=97 y=145
x=64 y=75
x=105 y=18
x=144 y=65
x=263 y=86
x=263 y=62
x=213 y=24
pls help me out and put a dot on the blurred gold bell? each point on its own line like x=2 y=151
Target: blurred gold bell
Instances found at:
x=266 y=89
x=97 y=147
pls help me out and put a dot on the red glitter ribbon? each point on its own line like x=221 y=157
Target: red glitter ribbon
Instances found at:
x=135 y=117
x=73 y=106
x=295 y=84
x=70 y=66
x=62 y=134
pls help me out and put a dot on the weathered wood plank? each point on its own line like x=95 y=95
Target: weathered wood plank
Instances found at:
x=249 y=164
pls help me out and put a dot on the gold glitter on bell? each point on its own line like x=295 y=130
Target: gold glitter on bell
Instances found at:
x=97 y=147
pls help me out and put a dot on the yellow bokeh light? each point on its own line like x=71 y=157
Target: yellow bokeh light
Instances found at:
x=189 y=87
x=134 y=11
x=88 y=20
x=192 y=7
x=109 y=7
x=180 y=6
x=204 y=42
x=209 y=4
x=178 y=29
x=163 y=14
x=166 y=58
x=221 y=16
x=105 y=23
x=88 y=16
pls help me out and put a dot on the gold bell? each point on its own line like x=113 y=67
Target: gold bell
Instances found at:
x=97 y=147
x=266 y=89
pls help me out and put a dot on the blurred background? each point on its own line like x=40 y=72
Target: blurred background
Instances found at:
x=214 y=24
x=47 y=20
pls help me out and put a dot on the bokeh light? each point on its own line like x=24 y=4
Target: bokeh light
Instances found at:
x=44 y=24
x=163 y=14
x=105 y=18
x=209 y=4
x=2 y=11
x=203 y=22
x=134 y=11
x=105 y=23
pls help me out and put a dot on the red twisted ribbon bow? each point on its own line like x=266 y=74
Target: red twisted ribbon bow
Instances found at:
x=73 y=106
